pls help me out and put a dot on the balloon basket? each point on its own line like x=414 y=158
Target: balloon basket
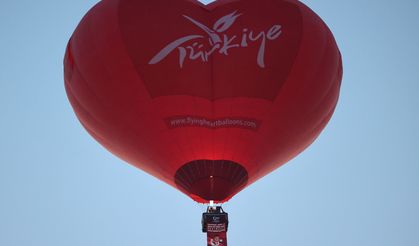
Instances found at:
x=215 y=224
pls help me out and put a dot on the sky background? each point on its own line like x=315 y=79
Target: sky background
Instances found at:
x=358 y=184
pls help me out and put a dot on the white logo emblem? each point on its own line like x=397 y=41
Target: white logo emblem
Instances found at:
x=219 y=41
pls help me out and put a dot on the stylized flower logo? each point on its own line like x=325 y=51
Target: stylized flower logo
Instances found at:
x=220 y=26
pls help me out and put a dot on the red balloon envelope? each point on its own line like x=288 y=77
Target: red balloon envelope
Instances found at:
x=207 y=98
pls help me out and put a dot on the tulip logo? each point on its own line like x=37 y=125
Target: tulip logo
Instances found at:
x=218 y=41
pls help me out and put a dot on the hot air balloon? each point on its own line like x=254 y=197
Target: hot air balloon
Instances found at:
x=207 y=98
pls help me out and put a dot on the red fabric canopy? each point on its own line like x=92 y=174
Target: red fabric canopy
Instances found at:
x=206 y=98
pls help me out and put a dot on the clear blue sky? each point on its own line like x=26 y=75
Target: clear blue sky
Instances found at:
x=358 y=184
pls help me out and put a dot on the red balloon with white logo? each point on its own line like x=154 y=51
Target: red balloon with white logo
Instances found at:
x=207 y=98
